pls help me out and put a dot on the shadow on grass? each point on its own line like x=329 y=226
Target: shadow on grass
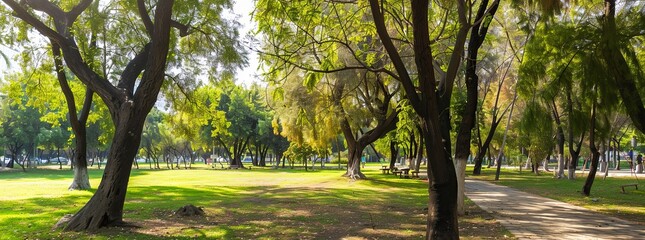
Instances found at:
x=382 y=207
x=234 y=213
x=59 y=174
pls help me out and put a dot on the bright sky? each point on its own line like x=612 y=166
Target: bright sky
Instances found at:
x=246 y=76
x=249 y=74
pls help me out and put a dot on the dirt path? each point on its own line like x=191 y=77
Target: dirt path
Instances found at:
x=529 y=216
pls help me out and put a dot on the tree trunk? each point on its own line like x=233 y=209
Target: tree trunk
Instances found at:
x=595 y=155
x=479 y=159
x=354 y=152
x=417 y=163
x=81 y=177
x=394 y=153
x=105 y=208
x=460 y=168
x=442 y=205
x=616 y=155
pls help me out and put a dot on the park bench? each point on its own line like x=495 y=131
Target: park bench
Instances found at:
x=397 y=172
x=415 y=173
x=385 y=169
x=628 y=185
x=404 y=172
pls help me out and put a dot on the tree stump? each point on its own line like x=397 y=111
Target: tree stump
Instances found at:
x=189 y=211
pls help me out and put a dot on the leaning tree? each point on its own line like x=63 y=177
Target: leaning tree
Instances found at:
x=131 y=91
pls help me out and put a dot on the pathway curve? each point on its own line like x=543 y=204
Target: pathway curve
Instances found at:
x=528 y=216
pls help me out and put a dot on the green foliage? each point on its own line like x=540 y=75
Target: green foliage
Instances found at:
x=536 y=130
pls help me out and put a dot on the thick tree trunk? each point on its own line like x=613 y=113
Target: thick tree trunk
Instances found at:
x=105 y=208
x=427 y=103
x=354 y=152
x=442 y=205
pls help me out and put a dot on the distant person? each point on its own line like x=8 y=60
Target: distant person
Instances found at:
x=639 y=163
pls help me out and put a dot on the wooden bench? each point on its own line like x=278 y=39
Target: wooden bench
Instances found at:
x=397 y=172
x=415 y=173
x=385 y=169
x=628 y=185
x=405 y=172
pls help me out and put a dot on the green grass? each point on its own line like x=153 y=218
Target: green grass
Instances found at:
x=606 y=196
x=240 y=204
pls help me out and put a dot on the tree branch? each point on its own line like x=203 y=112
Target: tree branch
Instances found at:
x=133 y=69
x=145 y=18
x=154 y=73
x=404 y=76
x=78 y=9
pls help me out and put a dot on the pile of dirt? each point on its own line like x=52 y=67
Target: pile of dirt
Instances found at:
x=189 y=211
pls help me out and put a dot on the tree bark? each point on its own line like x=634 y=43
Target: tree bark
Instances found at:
x=559 y=174
x=394 y=153
x=442 y=204
x=355 y=145
x=574 y=151
x=78 y=123
x=595 y=155
x=105 y=208
x=477 y=36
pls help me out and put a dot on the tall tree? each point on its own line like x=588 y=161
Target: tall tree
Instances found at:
x=242 y=122
x=78 y=121
x=135 y=91
x=612 y=48
x=20 y=126
x=403 y=29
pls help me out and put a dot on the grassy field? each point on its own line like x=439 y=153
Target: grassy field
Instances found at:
x=239 y=204
x=606 y=195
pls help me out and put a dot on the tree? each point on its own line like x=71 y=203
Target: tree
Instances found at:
x=408 y=25
x=242 y=123
x=360 y=101
x=78 y=121
x=20 y=125
x=612 y=48
x=151 y=138
x=537 y=130
x=128 y=105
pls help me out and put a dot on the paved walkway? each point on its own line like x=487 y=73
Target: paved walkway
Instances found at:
x=529 y=216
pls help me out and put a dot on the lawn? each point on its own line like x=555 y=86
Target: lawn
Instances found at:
x=239 y=204
x=606 y=195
